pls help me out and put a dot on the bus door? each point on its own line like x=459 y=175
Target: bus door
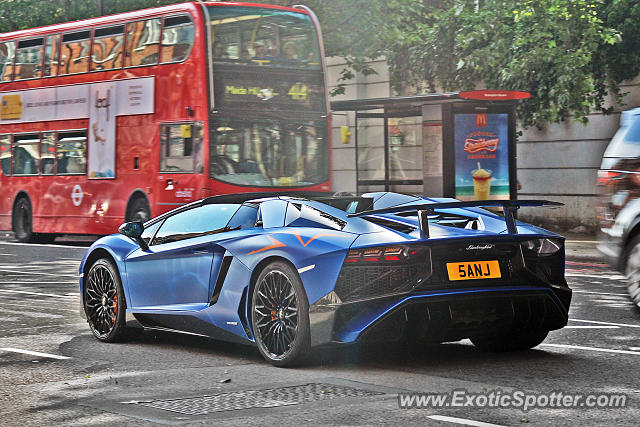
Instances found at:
x=181 y=165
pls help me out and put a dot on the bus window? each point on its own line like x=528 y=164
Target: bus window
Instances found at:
x=29 y=59
x=51 y=53
x=26 y=154
x=267 y=153
x=7 y=52
x=47 y=153
x=75 y=52
x=71 y=153
x=5 y=154
x=177 y=39
x=264 y=37
x=181 y=148
x=107 y=48
x=143 y=42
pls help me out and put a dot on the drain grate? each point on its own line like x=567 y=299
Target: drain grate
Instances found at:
x=268 y=398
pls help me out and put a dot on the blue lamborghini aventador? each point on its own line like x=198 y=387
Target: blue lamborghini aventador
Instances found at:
x=289 y=273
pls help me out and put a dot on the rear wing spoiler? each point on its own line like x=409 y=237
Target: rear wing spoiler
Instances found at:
x=424 y=209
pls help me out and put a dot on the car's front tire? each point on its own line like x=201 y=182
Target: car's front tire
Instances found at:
x=512 y=340
x=280 y=315
x=104 y=301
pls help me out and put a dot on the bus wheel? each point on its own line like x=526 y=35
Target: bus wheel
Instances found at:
x=23 y=220
x=138 y=210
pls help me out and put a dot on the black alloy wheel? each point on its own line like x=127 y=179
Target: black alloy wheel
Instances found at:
x=23 y=220
x=280 y=315
x=104 y=301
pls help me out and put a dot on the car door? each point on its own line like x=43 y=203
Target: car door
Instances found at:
x=179 y=269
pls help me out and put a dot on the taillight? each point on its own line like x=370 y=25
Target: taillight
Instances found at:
x=605 y=177
x=396 y=253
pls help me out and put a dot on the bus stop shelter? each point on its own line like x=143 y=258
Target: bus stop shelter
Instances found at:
x=460 y=145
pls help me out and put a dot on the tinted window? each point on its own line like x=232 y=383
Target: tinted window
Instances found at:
x=75 y=52
x=177 y=39
x=148 y=233
x=143 y=41
x=107 y=48
x=245 y=217
x=196 y=222
x=29 y=59
x=26 y=154
x=7 y=52
x=71 y=153
x=264 y=37
x=626 y=141
x=48 y=153
x=305 y=216
x=5 y=154
x=181 y=148
x=268 y=153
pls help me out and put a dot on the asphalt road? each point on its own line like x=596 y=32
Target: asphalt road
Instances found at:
x=169 y=378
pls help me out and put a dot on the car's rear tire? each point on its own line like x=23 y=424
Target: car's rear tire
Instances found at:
x=22 y=220
x=512 y=340
x=631 y=258
x=280 y=315
x=104 y=301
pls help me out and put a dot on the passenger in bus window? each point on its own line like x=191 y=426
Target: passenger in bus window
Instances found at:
x=244 y=55
x=260 y=57
x=219 y=51
x=289 y=54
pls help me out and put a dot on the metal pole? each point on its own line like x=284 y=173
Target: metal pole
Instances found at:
x=100 y=8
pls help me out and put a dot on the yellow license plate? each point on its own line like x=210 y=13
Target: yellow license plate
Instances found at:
x=473 y=270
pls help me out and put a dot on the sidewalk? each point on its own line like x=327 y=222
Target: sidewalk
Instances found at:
x=582 y=248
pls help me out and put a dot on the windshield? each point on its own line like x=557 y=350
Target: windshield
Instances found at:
x=269 y=153
x=263 y=37
x=270 y=125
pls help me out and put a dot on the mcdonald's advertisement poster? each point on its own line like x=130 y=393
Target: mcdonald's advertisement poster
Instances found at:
x=482 y=156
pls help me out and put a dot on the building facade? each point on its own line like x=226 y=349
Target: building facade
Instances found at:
x=559 y=162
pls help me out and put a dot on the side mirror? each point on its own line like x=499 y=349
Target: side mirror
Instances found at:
x=133 y=230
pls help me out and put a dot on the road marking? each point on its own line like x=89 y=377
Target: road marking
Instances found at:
x=37 y=272
x=36 y=293
x=591 y=327
x=590 y=264
x=462 y=421
x=634 y=348
x=598 y=276
x=34 y=353
x=75 y=282
x=3 y=303
x=53 y=325
x=605 y=323
x=600 y=293
x=40 y=245
x=580 y=347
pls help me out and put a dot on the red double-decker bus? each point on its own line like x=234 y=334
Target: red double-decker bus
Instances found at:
x=124 y=117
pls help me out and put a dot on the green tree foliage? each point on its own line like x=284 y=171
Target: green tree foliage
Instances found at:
x=546 y=47
x=571 y=55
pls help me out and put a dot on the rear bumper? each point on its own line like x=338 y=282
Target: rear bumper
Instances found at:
x=444 y=315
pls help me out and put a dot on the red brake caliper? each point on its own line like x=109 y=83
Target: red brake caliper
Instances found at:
x=115 y=308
